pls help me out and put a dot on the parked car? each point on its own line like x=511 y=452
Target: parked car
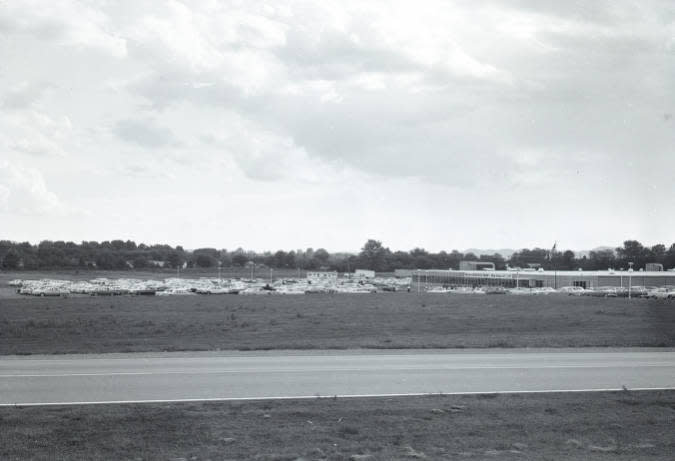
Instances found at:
x=572 y=291
x=659 y=293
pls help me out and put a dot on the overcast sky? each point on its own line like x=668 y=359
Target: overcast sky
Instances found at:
x=322 y=124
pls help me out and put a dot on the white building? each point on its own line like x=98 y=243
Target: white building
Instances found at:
x=364 y=274
x=321 y=276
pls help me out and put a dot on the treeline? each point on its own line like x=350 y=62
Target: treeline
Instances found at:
x=126 y=255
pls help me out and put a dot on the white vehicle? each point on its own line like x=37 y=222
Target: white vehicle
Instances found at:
x=660 y=293
x=175 y=291
x=572 y=291
x=438 y=290
x=520 y=291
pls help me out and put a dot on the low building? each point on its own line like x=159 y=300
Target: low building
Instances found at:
x=402 y=273
x=654 y=267
x=364 y=274
x=322 y=276
x=476 y=266
x=541 y=278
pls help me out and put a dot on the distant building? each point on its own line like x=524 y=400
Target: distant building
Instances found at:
x=654 y=267
x=476 y=266
x=364 y=274
x=530 y=278
x=322 y=276
x=400 y=273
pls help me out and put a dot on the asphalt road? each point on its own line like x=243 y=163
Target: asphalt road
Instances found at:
x=182 y=376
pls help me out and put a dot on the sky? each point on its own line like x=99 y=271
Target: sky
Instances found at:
x=292 y=124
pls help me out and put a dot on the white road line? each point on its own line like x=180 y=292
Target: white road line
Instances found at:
x=341 y=396
x=319 y=370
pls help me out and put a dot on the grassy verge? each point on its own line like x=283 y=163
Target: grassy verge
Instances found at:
x=387 y=320
x=589 y=426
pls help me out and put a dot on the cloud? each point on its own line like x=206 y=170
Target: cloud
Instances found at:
x=144 y=171
x=144 y=133
x=38 y=145
x=67 y=22
x=263 y=155
x=508 y=101
x=23 y=95
x=23 y=191
x=34 y=132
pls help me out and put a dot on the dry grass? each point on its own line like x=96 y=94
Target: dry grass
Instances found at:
x=570 y=426
x=387 y=320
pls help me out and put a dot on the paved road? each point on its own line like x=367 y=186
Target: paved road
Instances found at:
x=138 y=377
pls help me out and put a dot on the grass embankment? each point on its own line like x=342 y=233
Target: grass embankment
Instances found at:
x=589 y=426
x=387 y=320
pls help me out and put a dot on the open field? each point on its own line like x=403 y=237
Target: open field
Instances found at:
x=385 y=320
x=589 y=426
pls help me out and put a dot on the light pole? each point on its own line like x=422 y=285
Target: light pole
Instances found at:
x=630 y=279
x=419 y=278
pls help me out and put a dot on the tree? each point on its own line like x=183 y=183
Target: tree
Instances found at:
x=239 y=258
x=601 y=260
x=421 y=258
x=567 y=260
x=11 y=260
x=496 y=258
x=205 y=257
x=658 y=253
x=279 y=259
x=204 y=260
x=374 y=256
x=140 y=262
x=321 y=256
x=632 y=252
x=525 y=257
x=174 y=259
x=669 y=258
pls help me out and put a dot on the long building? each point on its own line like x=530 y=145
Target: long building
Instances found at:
x=538 y=279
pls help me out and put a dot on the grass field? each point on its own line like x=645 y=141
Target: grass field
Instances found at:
x=569 y=426
x=386 y=320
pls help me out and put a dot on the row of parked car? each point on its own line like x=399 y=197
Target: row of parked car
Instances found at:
x=491 y=290
x=667 y=292
x=205 y=286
